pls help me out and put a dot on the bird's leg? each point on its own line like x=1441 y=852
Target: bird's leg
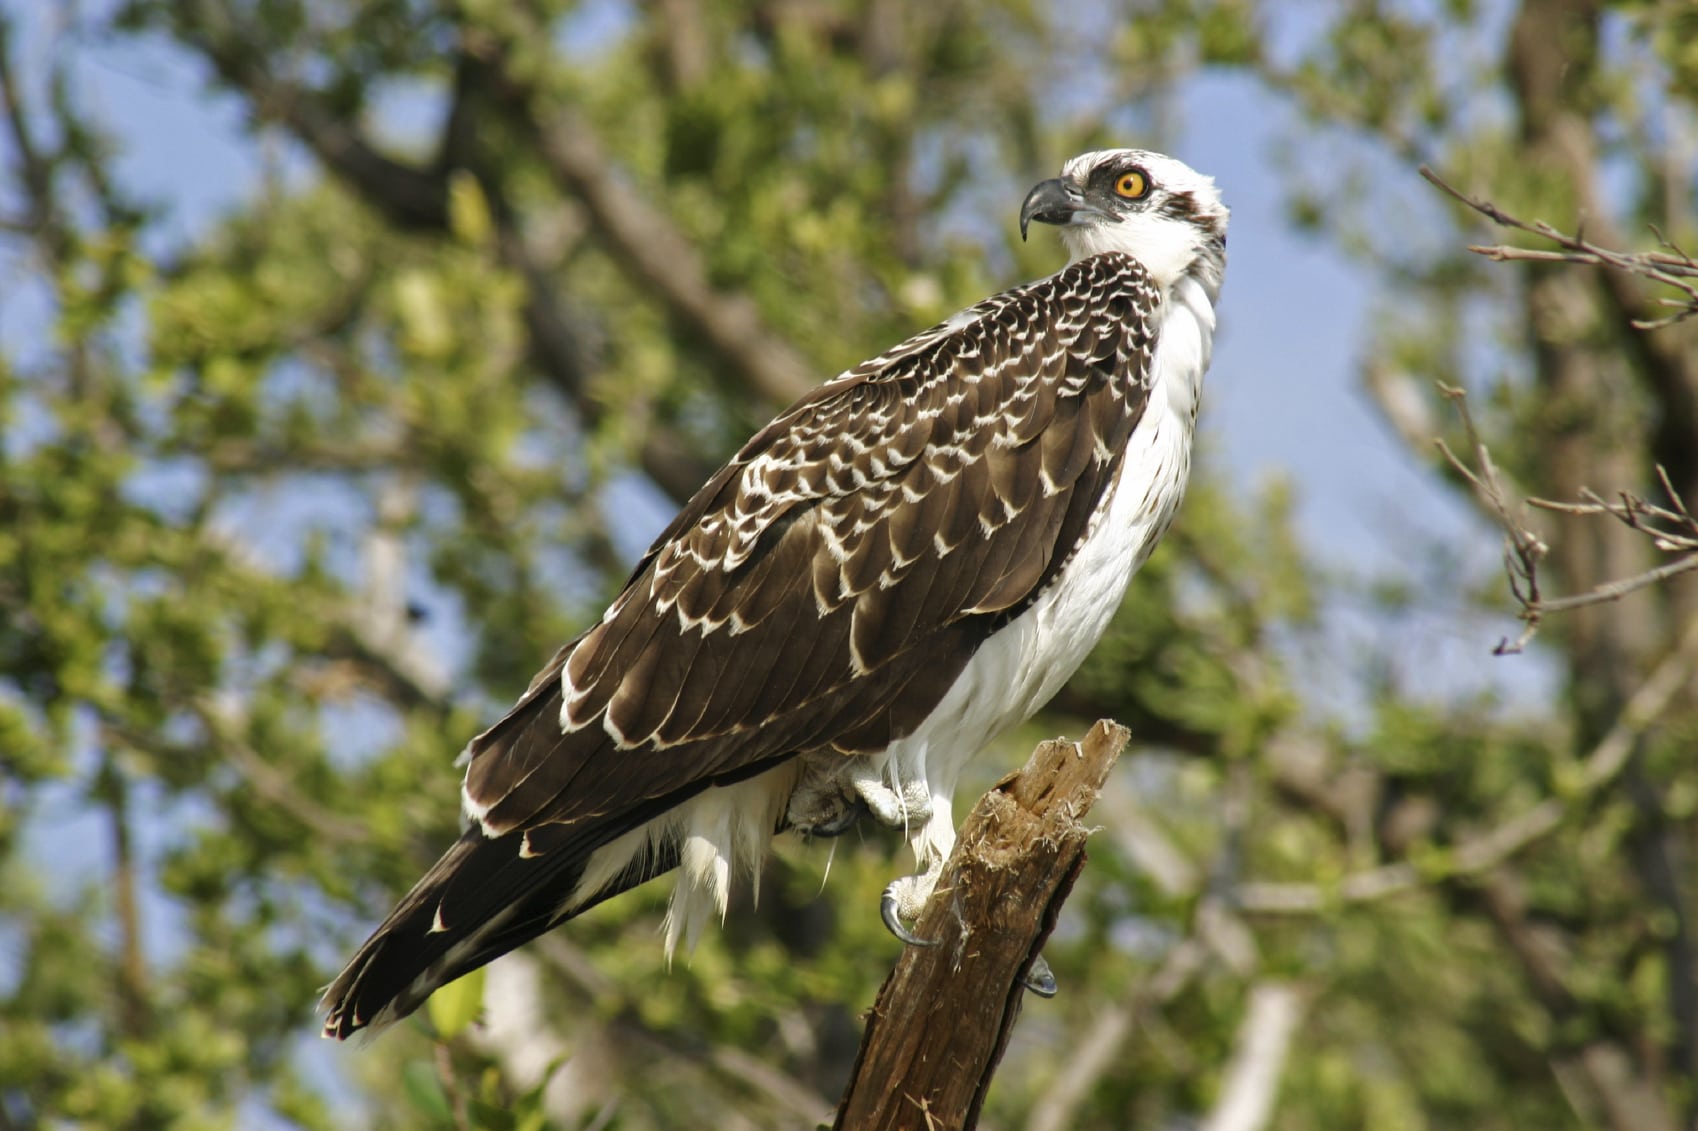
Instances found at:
x=905 y=898
x=910 y=807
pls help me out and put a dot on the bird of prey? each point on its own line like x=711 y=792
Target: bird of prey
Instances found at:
x=911 y=559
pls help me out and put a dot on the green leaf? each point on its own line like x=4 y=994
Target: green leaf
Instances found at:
x=425 y=1091
x=468 y=210
x=456 y=1005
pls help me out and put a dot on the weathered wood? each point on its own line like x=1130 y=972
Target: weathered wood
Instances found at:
x=942 y=1019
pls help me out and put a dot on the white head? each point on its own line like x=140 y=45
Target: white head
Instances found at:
x=1159 y=211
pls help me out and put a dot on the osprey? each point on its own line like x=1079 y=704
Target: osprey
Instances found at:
x=911 y=559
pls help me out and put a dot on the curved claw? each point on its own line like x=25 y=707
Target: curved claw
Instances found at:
x=1039 y=978
x=893 y=922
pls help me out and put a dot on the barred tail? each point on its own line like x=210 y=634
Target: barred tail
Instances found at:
x=483 y=898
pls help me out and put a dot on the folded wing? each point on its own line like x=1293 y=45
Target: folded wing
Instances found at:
x=822 y=591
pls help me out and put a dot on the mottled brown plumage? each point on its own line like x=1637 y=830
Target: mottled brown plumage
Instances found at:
x=822 y=590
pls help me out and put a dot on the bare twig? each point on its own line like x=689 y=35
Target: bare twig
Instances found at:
x=1671 y=529
x=1670 y=267
x=1477 y=855
x=1523 y=549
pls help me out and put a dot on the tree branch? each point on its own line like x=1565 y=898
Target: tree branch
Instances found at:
x=1667 y=363
x=1251 y=1085
x=134 y=1000
x=409 y=196
x=624 y=1031
x=1670 y=529
x=661 y=259
x=416 y=198
x=1671 y=267
x=1096 y=1053
x=34 y=170
x=942 y=1020
x=651 y=249
x=1626 y=1101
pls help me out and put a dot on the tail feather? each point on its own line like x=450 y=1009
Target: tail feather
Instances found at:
x=479 y=901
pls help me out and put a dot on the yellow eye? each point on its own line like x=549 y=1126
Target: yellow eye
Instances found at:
x=1132 y=185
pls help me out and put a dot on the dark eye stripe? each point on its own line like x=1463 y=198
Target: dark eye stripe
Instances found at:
x=1179 y=206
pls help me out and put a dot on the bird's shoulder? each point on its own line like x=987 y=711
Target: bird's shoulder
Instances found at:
x=828 y=443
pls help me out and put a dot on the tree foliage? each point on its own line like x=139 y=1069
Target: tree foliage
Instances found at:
x=292 y=505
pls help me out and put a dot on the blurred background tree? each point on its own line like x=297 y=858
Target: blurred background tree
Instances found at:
x=294 y=501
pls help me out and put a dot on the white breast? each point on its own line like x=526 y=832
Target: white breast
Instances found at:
x=1021 y=668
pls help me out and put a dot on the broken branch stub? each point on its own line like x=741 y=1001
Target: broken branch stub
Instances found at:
x=942 y=1019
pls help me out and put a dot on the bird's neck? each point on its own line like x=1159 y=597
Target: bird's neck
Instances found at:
x=1186 y=340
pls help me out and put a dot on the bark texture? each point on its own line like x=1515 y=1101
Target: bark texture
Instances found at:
x=943 y=1017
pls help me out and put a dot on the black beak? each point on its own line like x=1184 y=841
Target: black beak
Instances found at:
x=1052 y=202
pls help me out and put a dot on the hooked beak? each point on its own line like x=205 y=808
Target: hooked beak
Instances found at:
x=1054 y=201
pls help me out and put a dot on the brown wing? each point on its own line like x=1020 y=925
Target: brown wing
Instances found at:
x=828 y=585
x=823 y=590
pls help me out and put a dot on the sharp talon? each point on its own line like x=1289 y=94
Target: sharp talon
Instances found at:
x=893 y=921
x=1039 y=978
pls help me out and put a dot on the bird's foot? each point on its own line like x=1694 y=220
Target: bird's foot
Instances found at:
x=904 y=899
x=893 y=921
x=908 y=807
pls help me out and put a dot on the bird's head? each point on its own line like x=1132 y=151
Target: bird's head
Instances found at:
x=1160 y=211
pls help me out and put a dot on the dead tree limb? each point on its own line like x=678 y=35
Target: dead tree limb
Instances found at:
x=942 y=1020
x=1670 y=267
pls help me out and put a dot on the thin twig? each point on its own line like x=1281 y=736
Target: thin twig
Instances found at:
x=1671 y=529
x=451 y=1088
x=1671 y=267
x=1523 y=549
